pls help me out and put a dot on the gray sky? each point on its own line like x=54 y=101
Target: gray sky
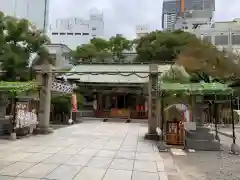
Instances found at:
x=121 y=16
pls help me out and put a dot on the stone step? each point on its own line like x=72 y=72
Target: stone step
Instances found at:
x=203 y=145
x=200 y=135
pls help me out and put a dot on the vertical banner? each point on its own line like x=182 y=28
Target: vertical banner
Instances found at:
x=74 y=103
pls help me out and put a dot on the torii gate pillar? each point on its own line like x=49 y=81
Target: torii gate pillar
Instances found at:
x=152 y=103
x=44 y=78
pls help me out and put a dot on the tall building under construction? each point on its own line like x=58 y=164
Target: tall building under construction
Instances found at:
x=174 y=8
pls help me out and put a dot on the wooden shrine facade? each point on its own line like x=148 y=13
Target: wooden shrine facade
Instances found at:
x=114 y=90
x=115 y=101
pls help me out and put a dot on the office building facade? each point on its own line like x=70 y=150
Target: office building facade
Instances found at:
x=75 y=31
x=171 y=9
x=224 y=35
x=36 y=11
x=141 y=30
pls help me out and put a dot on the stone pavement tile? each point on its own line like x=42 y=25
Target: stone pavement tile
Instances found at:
x=16 y=168
x=97 y=145
x=129 y=142
x=5 y=163
x=98 y=162
x=80 y=145
x=6 y=177
x=64 y=172
x=117 y=175
x=58 y=158
x=16 y=156
x=78 y=160
x=88 y=152
x=125 y=155
x=144 y=148
x=35 y=158
x=33 y=149
x=4 y=153
x=147 y=166
x=122 y=164
x=160 y=166
x=128 y=148
x=111 y=147
x=39 y=171
x=69 y=151
x=22 y=178
x=163 y=176
x=137 y=175
x=106 y=154
x=145 y=156
x=89 y=173
x=52 y=150
x=174 y=177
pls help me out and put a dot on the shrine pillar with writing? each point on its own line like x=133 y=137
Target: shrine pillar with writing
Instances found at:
x=44 y=78
x=152 y=103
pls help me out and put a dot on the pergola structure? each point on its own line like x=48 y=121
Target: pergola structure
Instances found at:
x=13 y=90
x=192 y=90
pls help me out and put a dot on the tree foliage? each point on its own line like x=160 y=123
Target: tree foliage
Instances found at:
x=205 y=62
x=18 y=40
x=160 y=46
x=102 y=50
x=117 y=45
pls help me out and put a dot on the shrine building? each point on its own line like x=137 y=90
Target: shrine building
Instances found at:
x=113 y=90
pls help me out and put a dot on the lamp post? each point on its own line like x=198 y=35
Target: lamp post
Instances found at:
x=13 y=135
x=215 y=106
x=45 y=16
x=161 y=145
x=235 y=149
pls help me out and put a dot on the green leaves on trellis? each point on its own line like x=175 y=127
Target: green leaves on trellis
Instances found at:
x=195 y=88
x=17 y=86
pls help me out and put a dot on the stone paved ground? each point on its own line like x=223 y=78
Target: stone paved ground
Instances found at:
x=87 y=151
x=211 y=165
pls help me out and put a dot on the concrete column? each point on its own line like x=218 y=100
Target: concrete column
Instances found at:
x=152 y=103
x=45 y=95
x=45 y=82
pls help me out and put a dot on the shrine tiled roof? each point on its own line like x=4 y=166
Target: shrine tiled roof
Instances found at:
x=139 y=73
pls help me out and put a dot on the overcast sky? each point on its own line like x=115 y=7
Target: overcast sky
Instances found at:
x=121 y=16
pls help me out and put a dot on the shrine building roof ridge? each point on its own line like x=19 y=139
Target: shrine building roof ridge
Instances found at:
x=82 y=73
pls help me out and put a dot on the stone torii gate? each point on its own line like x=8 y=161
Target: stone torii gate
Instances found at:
x=44 y=78
x=47 y=83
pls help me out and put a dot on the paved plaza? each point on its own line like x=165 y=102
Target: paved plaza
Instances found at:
x=92 y=150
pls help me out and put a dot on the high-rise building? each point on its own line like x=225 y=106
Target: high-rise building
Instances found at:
x=36 y=11
x=141 y=30
x=173 y=8
x=75 y=31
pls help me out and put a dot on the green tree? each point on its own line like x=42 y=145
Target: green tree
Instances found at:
x=18 y=41
x=83 y=53
x=205 y=62
x=159 y=46
x=102 y=47
x=117 y=45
